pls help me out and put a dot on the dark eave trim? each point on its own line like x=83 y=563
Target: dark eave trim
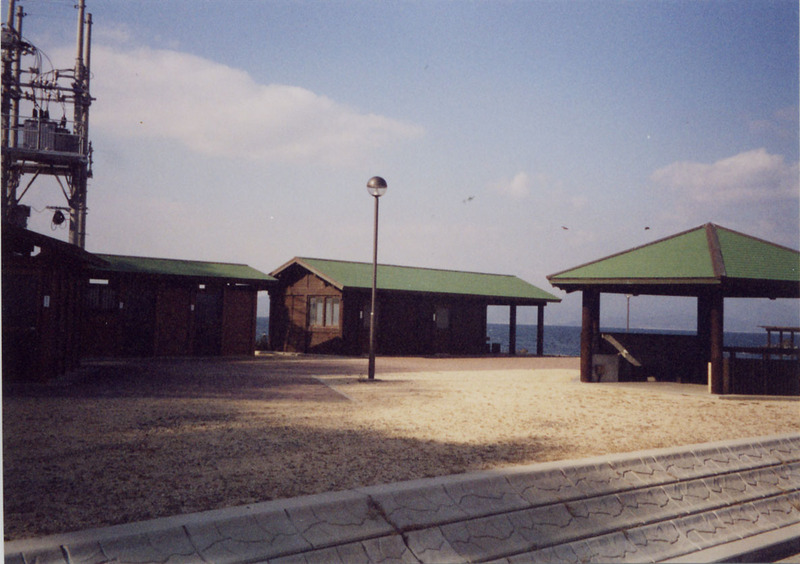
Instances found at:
x=490 y=300
x=633 y=282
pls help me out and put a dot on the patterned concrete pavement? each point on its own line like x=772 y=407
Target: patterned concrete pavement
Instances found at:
x=726 y=501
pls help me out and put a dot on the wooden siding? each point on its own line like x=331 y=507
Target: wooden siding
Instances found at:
x=41 y=317
x=208 y=324
x=300 y=336
x=405 y=321
x=119 y=319
x=405 y=324
x=152 y=317
x=174 y=321
x=239 y=321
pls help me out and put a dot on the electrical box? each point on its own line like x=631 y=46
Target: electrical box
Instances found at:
x=47 y=135
x=39 y=135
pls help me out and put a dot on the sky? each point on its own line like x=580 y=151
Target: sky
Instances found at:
x=518 y=137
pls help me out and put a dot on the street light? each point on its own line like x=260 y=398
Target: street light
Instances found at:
x=376 y=187
x=628 y=316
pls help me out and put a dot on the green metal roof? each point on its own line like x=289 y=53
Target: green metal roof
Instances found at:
x=747 y=257
x=358 y=275
x=708 y=254
x=186 y=268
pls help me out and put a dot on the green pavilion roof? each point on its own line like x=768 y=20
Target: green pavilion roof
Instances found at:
x=358 y=275
x=184 y=268
x=705 y=256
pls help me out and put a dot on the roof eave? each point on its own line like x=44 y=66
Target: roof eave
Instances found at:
x=666 y=287
x=259 y=283
x=754 y=288
x=495 y=299
x=631 y=281
x=13 y=235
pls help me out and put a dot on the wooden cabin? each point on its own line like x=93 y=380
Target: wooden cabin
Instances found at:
x=323 y=306
x=139 y=306
x=43 y=283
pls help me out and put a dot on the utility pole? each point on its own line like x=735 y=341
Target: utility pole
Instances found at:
x=39 y=145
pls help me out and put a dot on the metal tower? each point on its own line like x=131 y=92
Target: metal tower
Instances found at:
x=35 y=144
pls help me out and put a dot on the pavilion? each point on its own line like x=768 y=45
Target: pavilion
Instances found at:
x=709 y=263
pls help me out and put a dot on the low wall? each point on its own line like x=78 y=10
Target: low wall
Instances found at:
x=728 y=501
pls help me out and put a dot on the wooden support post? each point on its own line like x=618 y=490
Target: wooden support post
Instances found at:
x=716 y=320
x=703 y=335
x=540 y=330
x=512 y=330
x=590 y=325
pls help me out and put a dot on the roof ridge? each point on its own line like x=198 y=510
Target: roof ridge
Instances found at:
x=170 y=259
x=409 y=267
x=715 y=251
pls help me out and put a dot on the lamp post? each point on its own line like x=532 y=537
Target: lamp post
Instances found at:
x=628 y=316
x=376 y=187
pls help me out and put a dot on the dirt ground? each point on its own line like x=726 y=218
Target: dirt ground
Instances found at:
x=127 y=441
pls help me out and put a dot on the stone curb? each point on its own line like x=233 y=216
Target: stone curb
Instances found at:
x=765 y=547
x=648 y=505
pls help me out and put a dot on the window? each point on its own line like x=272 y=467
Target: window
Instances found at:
x=332 y=312
x=100 y=296
x=323 y=311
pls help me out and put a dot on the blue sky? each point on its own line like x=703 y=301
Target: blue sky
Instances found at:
x=245 y=131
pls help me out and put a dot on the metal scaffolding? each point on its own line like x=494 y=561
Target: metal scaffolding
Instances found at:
x=37 y=145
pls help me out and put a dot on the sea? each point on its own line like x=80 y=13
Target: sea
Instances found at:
x=565 y=340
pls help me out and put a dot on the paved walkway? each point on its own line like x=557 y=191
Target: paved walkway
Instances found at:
x=727 y=501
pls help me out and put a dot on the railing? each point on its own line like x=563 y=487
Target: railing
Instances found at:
x=763 y=352
x=762 y=370
x=780 y=331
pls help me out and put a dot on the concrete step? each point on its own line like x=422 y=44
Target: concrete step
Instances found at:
x=667 y=504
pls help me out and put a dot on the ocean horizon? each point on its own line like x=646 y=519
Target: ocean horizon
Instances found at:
x=565 y=340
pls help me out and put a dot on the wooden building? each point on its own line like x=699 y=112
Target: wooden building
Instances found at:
x=138 y=306
x=43 y=282
x=709 y=263
x=323 y=306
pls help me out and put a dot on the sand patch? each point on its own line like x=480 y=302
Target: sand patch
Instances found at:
x=211 y=435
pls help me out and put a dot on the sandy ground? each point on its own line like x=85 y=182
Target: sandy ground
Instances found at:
x=128 y=441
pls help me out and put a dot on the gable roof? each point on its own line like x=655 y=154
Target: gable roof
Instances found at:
x=709 y=255
x=358 y=275
x=199 y=270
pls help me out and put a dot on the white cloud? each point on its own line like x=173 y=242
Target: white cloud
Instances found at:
x=221 y=111
x=754 y=192
x=747 y=177
x=517 y=188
